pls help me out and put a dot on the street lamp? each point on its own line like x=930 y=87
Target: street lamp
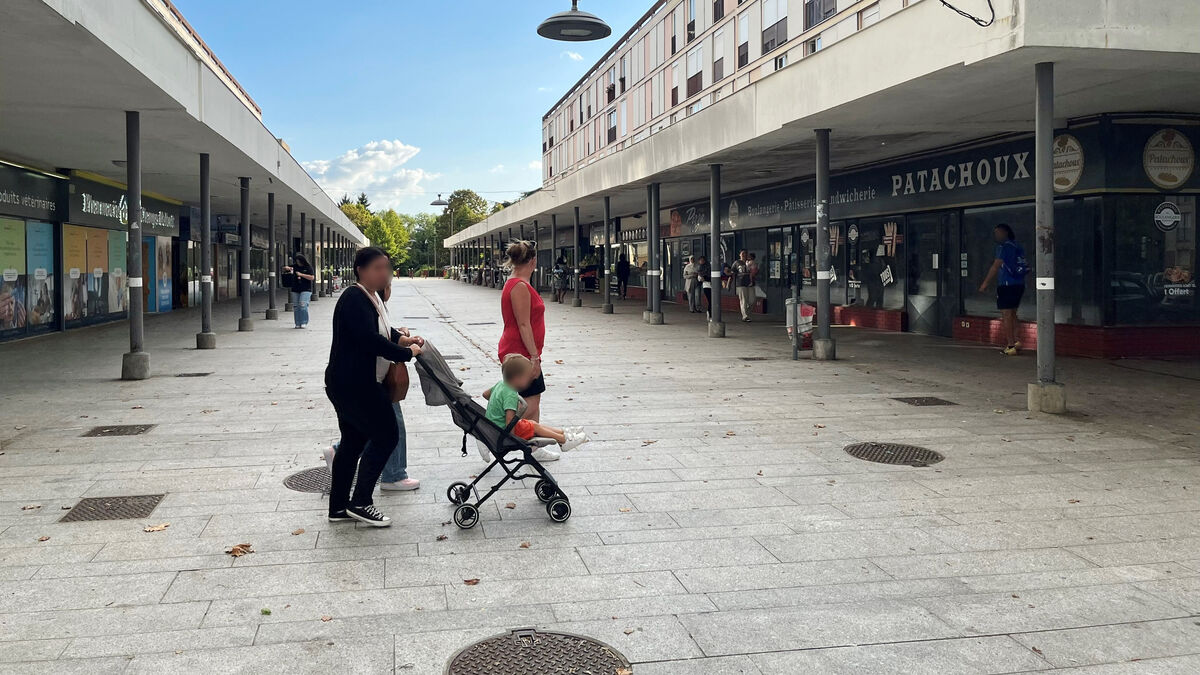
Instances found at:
x=574 y=26
x=439 y=202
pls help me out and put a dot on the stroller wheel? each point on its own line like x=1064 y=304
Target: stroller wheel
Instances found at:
x=458 y=493
x=559 y=510
x=465 y=516
x=545 y=490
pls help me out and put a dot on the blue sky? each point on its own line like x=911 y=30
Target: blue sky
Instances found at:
x=396 y=97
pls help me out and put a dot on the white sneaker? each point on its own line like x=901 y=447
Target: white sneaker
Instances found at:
x=405 y=485
x=544 y=454
x=574 y=440
x=573 y=430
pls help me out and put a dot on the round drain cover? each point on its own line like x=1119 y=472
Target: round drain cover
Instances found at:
x=531 y=652
x=309 y=480
x=894 y=453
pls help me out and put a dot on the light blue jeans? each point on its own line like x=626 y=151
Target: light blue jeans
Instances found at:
x=396 y=468
x=300 y=307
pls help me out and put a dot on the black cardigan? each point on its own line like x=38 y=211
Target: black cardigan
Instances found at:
x=357 y=343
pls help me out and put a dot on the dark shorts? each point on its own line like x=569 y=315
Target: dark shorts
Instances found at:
x=536 y=388
x=1009 y=297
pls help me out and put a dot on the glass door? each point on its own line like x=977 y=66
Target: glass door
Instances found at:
x=932 y=271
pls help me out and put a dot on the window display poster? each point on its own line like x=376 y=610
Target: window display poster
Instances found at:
x=97 y=270
x=162 y=281
x=75 y=272
x=39 y=258
x=118 y=284
x=13 y=308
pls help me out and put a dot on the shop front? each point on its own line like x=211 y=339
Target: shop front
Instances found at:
x=31 y=208
x=911 y=241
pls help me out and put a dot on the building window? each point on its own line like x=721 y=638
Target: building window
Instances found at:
x=868 y=16
x=695 y=71
x=774 y=18
x=675 y=84
x=781 y=61
x=691 y=25
x=812 y=46
x=581 y=108
x=718 y=10
x=718 y=55
x=612 y=126
x=743 y=55
x=621 y=80
x=816 y=11
x=674 y=31
x=623 y=118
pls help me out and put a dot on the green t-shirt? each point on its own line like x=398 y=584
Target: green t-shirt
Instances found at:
x=503 y=399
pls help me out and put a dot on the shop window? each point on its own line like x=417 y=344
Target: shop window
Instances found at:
x=1153 y=270
x=877 y=264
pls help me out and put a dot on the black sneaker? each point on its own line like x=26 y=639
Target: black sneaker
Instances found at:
x=339 y=517
x=369 y=515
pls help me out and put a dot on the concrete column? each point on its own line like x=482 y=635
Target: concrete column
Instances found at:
x=649 y=237
x=537 y=280
x=553 y=242
x=1047 y=394
x=319 y=258
x=716 y=327
x=824 y=348
x=606 y=307
x=314 y=260
x=577 y=301
x=290 y=247
x=654 y=273
x=205 y=339
x=135 y=365
x=272 y=263
x=245 y=323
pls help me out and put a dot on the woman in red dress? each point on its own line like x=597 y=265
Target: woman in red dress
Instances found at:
x=524 y=320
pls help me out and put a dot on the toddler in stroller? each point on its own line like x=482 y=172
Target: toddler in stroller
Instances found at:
x=504 y=406
x=504 y=449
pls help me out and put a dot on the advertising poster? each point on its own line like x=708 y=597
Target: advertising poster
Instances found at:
x=162 y=281
x=75 y=272
x=97 y=270
x=13 y=308
x=118 y=285
x=39 y=258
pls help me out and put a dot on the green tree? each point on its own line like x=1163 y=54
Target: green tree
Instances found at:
x=345 y=201
x=464 y=209
x=379 y=234
x=363 y=202
x=358 y=214
x=398 y=233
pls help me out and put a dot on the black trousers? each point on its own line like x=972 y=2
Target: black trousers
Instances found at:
x=708 y=297
x=369 y=435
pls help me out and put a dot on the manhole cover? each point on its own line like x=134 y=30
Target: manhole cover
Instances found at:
x=192 y=374
x=120 y=430
x=894 y=453
x=752 y=358
x=531 y=652
x=309 y=480
x=112 y=508
x=923 y=400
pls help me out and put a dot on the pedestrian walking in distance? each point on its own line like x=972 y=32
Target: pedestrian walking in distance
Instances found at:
x=691 y=284
x=1008 y=270
x=301 y=288
x=743 y=282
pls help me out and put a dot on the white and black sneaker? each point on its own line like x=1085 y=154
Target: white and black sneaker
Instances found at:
x=368 y=515
x=339 y=517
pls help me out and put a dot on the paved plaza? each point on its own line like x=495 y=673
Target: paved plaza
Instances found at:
x=718 y=525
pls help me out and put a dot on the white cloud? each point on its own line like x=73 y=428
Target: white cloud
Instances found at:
x=543 y=88
x=499 y=168
x=376 y=168
x=574 y=56
x=535 y=165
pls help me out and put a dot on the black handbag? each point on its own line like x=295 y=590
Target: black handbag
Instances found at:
x=288 y=279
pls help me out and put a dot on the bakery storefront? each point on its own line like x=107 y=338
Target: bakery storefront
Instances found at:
x=912 y=240
x=31 y=208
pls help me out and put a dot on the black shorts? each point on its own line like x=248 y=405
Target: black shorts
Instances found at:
x=1009 y=297
x=536 y=388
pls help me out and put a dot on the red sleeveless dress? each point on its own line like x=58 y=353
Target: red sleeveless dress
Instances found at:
x=510 y=339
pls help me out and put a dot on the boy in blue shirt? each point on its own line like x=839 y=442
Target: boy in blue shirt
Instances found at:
x=1009 y=268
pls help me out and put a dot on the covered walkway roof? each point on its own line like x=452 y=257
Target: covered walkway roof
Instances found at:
x=921 y=79
x=69 y=69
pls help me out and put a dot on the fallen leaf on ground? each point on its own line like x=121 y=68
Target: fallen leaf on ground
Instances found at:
x=19 y=427
x=645 y=443
x=240 y=550
x=297 y=532
x=442 y=537
x=470 y=582
x=264 y=611
x=326 y=618
x=759 y=472
x=1072 y=501
x=731 y=433
x=625 y=509
x=64 y=508
x=206 y=412
x=136 y=407
x=558 y=361
x=998 y=411
x=623 y=671
x=445 y=523
x=629 y=631
x=1036 y=650
x=156 y=528
x=819 y=426
x=524 y=544
x=43 y=538
x=31 y=507
x=510 y=505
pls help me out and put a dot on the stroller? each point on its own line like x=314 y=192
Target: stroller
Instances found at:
x=513 y=455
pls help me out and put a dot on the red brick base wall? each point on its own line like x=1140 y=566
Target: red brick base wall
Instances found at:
x=866 y=317
x=1112 y=342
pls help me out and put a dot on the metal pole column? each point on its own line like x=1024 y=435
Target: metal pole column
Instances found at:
x=650 y=246
x=136 y=364
x=272 y=263
x=553 y=247
x=654 y=273
x=577 y=301
x=245 y=323
x=314 y=260
x=205 y=339
x=318 y=258
x=606 y=307
x=824 y=348
x=716 y=327
x=537 y=281
x=290 y=247
x=1046 y=395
